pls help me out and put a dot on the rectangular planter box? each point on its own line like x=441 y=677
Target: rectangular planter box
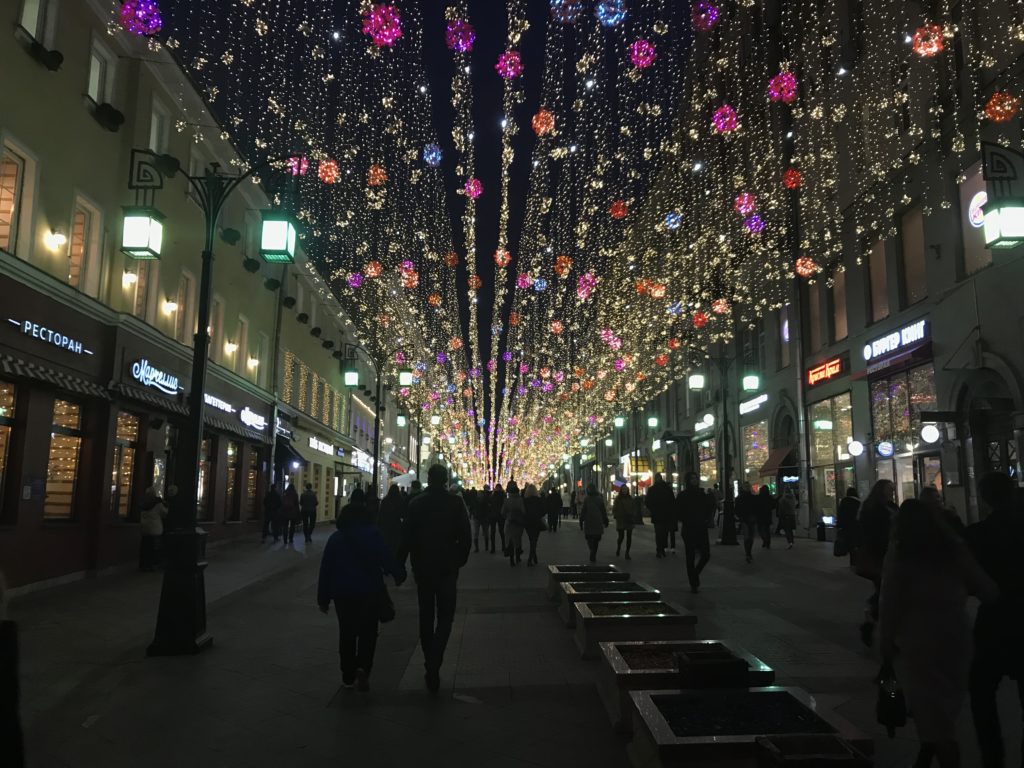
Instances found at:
x=720 y=728
x=618 y=676
x=598 y=622
x=808 y=751
x=573 y=592
x=583 y=572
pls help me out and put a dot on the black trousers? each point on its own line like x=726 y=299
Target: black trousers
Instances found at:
x=987 y=672
x=532 y=536
x=149 y=552
x=660 y=538
x=288 y=529
x=308 y=524
x=698 y=552
x=436 y=592
x=765 y=531
x=552 y=521
x=268 y=526
x=495 y=528
x=592 y=542
x=357 y=634
x=626 y=534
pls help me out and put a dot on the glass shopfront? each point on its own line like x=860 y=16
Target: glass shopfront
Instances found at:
x=204 y=500
x=252 y=473
x=62 y=467
x=901 y=455
x=707 y=462
x=234 y=477
x=6 y=425
x=123 y=469
x=755 y=451
x=832 y=467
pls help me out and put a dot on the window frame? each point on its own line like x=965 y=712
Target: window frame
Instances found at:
x=45 y=22
x=872 y=293
x=839 y=280
x=184 y=315
x=906 y=300
x=9 y=423
x=162 y=143
x=105 y=89
x=18 y=194
x=91 y=267
x=79 y=434
x=120 y=445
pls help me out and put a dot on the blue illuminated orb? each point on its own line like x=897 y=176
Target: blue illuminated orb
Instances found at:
x=432 y=155
x=673 y=220
x=611 y=13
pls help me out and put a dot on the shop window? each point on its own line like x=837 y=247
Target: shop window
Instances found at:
x=123 y=468
x=784 y=337
x=204 y=497
x=707 y=462
x=755 y=450
x=65 y=454
x=6 y=425
x=973 y=196
x=879 y=282
x=252 y=474
x=12 y=176
x=915 y=280
x=840 y=324
x=832 y=467
x=814 y=316
x=231 y=509
x=896 y=405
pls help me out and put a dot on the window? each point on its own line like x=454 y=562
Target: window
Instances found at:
x=204 y=499
x=6 y=425
x=141 y=285
x=37 y=18
x=896 y=405
x=915 y=280
x=830 y=423
x=755 y=450
x=879 y=283
x=62 y=469
x=12 y=176
x=183 y=315
x=216 y=331
x=231 y=509
x=252 y=473
x=123 y=469
x=260 y=370
x=79 y=248
x=973 y=195
x=159 y=128
x=840 y=324
x=814 y=316
x=100 y=86
x=241 y=360
x=784 y=337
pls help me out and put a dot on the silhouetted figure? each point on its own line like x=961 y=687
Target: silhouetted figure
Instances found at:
x=765 y=508
x=787 y=515
x=533 y=522
x=513 y=512
x=928 y=574
x=931 y=496
x=873 y=523
x=696 y=511
x=436 y=536
x=272 y=506
x=847 y=528
x=594 y=519
x=553 y=504
x=998 y=543
x=289 y=513
x=622 y=512
x=481 y=513
x=495 y=522
x=660 y=502
x=392 y=515
x=308 y=502
x=151 y=521
x=746 y=513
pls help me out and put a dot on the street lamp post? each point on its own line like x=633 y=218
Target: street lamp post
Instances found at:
x=181 y=619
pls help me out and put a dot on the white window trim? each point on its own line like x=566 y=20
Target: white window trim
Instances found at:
x=25 y=235
x=92 y=264
x=48 y=11
x=190 y=318
x=164 y=140
x=107 y=96
x=242 y=353
x=217 y=337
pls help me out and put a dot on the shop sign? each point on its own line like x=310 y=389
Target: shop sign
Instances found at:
x=216 y=402
x=827 y=371
x=148 y=376
x=50 y=336
x=886 y=449
x=397 y=467
x=360 y=460
x=749 y=406
x=284 y=431
x=252 y=419
x=789 y=479
x=340 y=453
x=319 y=445
x=896 y=341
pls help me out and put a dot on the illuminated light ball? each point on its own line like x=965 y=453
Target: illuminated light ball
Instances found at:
x=620 y=364
x=543 y=122
x=618 y=210
x=611 y=13
x=720 y=306
x=491 y=366
x=642 y=286
x=806 y=266
x=524 y=368
x=451 y=259
x=928 y=40
x=674 y=343
x=540 y=285
x=441 y=358
x=557 y=327
x=434 y=299
x=432 y=155
x=792 y=178
x=502 y=258
x=609 y=396
x=328 y=172
x=297 y=166
x=513 y=318
x=563 y=265
x=783 y=87
x=506 y=356
x=754 y=224
x=642 y=54
x=588 y=384
x=524 y=281
x=141 y=17
x=661 y=359
x=724 y=120
x=383 y=24
x=460 y=36
x=704 y=16
x=673 y=220
x=475 y=282
x=585 y=285
x=376 y=175
x=406 y=266
x=410 y=280
x=744 y=204
x=455 y=343
x=355 y=280
x=373 y=269
x=566 y=11
x=473 y=188
x=700 y=319
x=656 y=290
x=1002 y=107
x=510 y=65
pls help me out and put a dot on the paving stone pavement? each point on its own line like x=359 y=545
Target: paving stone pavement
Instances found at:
x=515 y=692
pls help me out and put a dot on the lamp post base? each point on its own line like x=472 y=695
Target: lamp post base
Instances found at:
x=181 y=621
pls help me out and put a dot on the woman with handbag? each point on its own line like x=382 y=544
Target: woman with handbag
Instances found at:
x=927 y=576
x=873 y=522
x=352 y=577
x=533 y=520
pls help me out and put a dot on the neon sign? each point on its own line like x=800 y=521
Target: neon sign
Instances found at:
x=50 y=336
x=148 y=376
x=897 y=340
x=252 y=419
x=976 y=210
x=826 y=371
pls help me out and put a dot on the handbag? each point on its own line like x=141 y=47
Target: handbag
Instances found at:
x=891 y=706
x=385 y=606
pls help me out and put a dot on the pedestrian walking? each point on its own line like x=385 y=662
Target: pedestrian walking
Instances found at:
x=308 y=502
x=553 y=505
x=290 y=512
x=873 y=524
x=12 y=748
x=765 y=508
x=392 y=515
x=566 y=502
x=594 y=519
x=495 y=522
x=533 y=522
x=746 y=513
x=928 y=573
x=660 y=502
x=997 y=543
x=696 y=511
x=481 y=514
x=932 y=497
x=847 y=535
x=622 y=512
x=436 y=536
x=577 y=505
x=513 y=512
x=787 y=515
x=271 y=513
x=151 y=522
x=352 y=577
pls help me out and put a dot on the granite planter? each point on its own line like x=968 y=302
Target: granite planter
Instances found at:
x=808 y=751
x=719 y=728
x=601 y=592
x=652 y=666
x=559 y=573
x=605 y=622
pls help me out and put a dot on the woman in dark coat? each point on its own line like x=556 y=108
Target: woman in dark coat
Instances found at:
x=392 y=514
x=593 y=519
x=846 y=523
x=746 y=513
x=765 y=508
x=873 y=523
x=534 y=520
x=289 y=512
x=352 y=577
x=495 y=522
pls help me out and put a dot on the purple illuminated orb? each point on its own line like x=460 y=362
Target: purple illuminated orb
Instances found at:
x=642 y=54
x=783 y=87
x=473 y=188
x=141 y=17
x=460 y=36
x=725 y=120
x=704 y=16
x=383 y=23
x=355 y=280
x=510 y=65
x=754 y=224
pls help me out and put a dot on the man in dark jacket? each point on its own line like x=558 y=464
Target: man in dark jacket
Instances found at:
x=436 y=535
x=308 y=503
x=997 y=542
x=660 y=501
x=696 y=511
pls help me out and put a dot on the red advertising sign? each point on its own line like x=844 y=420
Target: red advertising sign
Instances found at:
x=827 y=371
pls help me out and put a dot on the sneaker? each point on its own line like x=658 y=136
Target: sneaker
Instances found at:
x=362 y=680
x=628 y=557
x=433 y=678
x=348 y=682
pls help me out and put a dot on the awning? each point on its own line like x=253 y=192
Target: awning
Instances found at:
x=778 y=458
x=236 y=429
x=286 y=453
x=150 y=398
x=13 y=366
